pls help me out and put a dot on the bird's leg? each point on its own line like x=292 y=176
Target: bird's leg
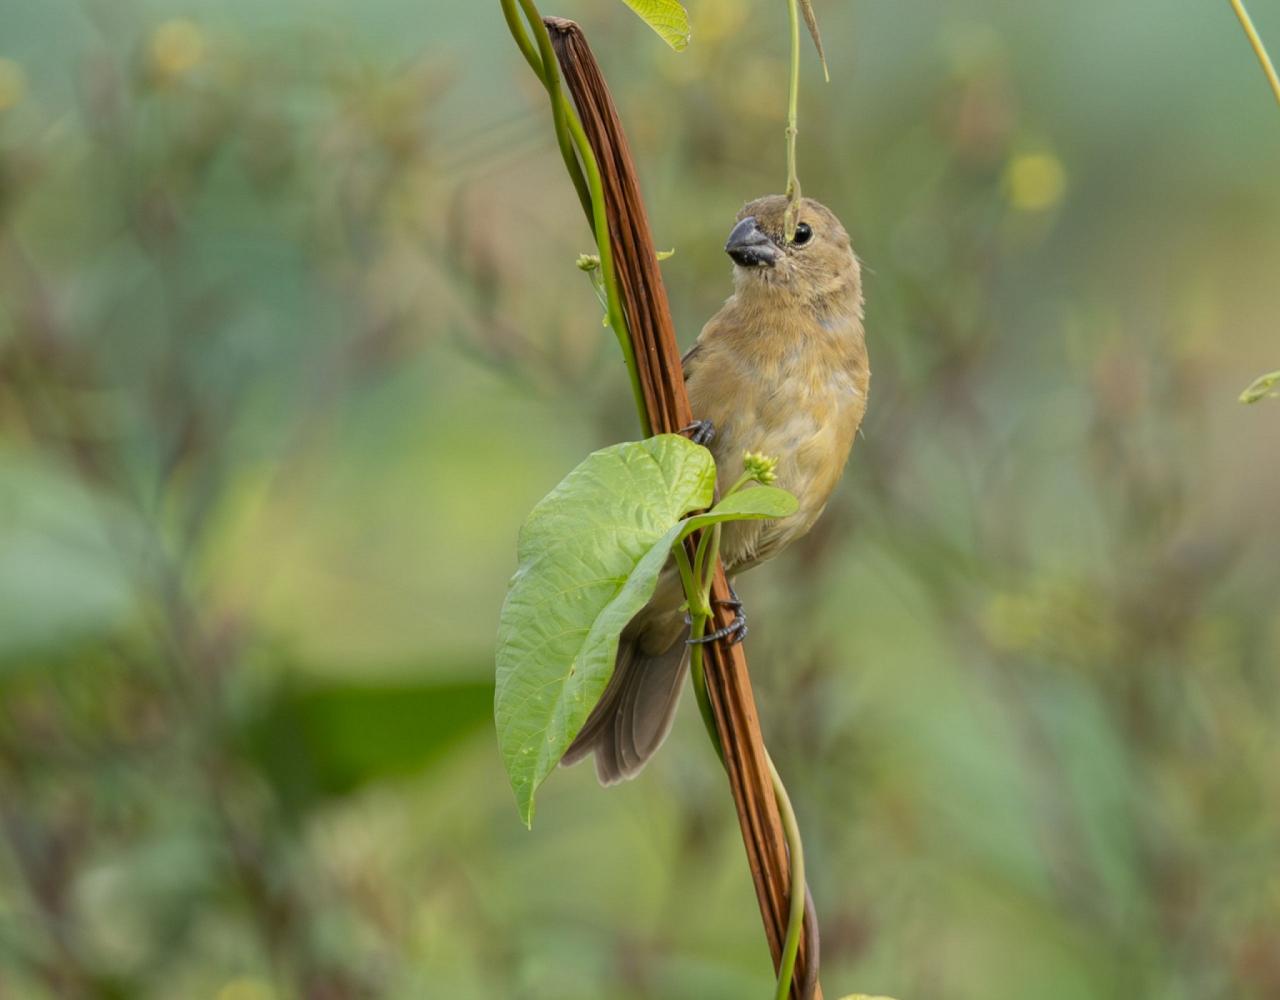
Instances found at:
x=700 y=432
x=736 y=630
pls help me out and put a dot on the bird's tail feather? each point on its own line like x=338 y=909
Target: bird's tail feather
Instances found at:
x=635 y=712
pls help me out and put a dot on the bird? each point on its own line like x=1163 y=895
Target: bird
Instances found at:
x=781 y=369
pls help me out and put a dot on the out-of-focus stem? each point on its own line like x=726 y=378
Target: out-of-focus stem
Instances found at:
x=1259 y=49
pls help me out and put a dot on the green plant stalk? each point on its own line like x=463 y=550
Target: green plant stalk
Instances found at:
x=699 y=612
x=570 y=135
x=795 y=915
x=700 y=568
x=1259 y=49
x=743 y=479
x=526 y=47
x=690 y=581
x=699 y=677
x=791 y=217
x=543 y=63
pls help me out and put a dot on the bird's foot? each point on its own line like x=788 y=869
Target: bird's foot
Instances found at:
x=735 y=631
x=700 y=432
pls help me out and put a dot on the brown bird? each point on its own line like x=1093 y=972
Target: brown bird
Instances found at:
x=781 y=369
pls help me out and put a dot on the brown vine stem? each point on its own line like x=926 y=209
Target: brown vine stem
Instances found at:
x=652 y=333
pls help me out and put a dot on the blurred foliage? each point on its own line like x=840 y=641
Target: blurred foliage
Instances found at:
x=291 y=340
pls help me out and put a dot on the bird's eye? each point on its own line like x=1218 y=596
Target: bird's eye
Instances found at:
x=803 y=234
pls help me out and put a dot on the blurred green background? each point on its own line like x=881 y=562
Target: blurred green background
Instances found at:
x=291 y=339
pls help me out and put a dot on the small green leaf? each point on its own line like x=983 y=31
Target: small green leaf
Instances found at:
x=1260 y=388
x=589 y=558
x=752 y=503
x=667 y=17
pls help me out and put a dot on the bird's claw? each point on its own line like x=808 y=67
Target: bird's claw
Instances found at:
x=735 y=631
x=700 y=432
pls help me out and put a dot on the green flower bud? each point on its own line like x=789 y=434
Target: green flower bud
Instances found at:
x=760 y=467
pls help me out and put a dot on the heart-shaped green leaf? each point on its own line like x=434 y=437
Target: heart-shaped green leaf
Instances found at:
x=667 y=17
x=589 y=558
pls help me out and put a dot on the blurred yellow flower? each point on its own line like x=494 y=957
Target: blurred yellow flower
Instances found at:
x=1034 y=182
x=1012 y=622
x=176 y=48
x=246 y=988
x=13 y=84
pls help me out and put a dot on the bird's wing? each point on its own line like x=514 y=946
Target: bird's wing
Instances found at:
x=690 y=359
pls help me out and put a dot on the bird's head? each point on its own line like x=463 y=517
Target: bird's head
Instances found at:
x=816 y=263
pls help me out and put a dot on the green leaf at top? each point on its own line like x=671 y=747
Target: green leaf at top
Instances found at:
x=667 y=17
x=589 y=557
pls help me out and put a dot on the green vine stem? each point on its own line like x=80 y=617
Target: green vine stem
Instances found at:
x=545 y=68
x=571 y=137
x=791 y=217
x=795 y=915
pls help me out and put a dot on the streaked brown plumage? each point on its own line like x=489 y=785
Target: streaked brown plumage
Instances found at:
x=781 y=369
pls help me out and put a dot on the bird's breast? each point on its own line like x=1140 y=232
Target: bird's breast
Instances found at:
x=802 y=408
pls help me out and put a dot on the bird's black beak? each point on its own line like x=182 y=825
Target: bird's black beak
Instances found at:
x=750 y=247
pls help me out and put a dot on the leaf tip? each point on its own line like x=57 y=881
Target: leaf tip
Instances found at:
x=524 y=803
x=668 y=18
